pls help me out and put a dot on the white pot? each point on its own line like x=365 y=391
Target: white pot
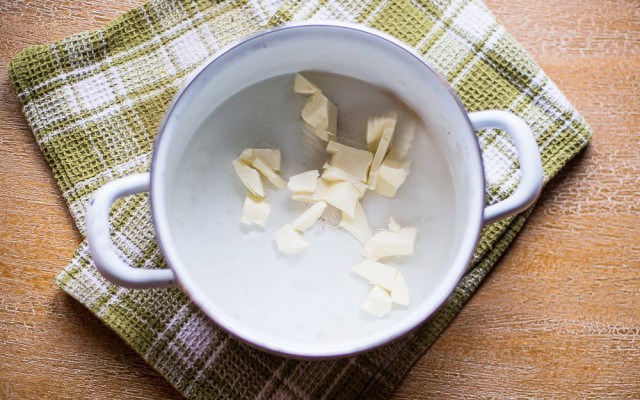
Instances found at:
x=308 y=305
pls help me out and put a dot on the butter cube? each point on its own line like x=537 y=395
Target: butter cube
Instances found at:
x=335 y=174
x=375 y=128
x=378 y=157
x=391 y=176
x=378 y=302
x=321 y=115
x=390 y=244
x=290 y=241
x=271 y=157
x=400 y=291
x=376 y=273
x=304 y=181
x=256 y=210
x=402 y=141
x=309 y=217
x=343 y=196
x=312 y=197
x=358 y=226
x=354 y=161
x=304 y=86
x=269 y=173
x=249 y=177
x=315 y=111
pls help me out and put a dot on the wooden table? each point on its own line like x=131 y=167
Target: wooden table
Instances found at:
x=559 y=316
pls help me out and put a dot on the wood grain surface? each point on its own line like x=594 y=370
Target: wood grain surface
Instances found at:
x=558 y=317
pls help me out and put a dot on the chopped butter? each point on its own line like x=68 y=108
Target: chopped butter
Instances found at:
x=256 y=210
x=378 y=302
x=358 y=226
x=312 y=197
x=390 y=244
x=271 y=157
x=391 y=176
x=400 y=290
x=376 y=273
x=309 y=217
x=402 y=141
x=249 y=177
x=378 y=157
x=321 y=116
x=354 y=161
x=304 y=181
x=269 y=173
x=343 y=196
x=335 y=174
x=376 y=126
x=290 y=241
x=304 y=86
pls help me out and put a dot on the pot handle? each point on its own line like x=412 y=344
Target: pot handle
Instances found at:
x=107 y=261
x=530 y=163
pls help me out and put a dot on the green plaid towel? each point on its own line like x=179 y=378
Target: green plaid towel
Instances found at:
x=94 y=102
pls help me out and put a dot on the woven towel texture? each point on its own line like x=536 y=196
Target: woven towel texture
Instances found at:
x=94 y=102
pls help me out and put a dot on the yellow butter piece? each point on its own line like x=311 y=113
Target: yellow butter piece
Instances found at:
x=321 y=116
x=335 y=174
x=271 y=157
x=402 y=141
x=256 y=210
x=249 y=177
x=391 y=175
x=269 y=173
x=378 y=302
x=312 y=197
x=309 y=217
x=343 y=196
x=390 y=244
x=303 y=85
x=354 y=161
x=378 y=158
x=376 y=273
x=376 y=126
x=304 y=182
x=400 y=291
x=290 y=241
x=358 y=226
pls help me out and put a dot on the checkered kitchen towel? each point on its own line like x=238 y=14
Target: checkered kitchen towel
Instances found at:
x=94 y=102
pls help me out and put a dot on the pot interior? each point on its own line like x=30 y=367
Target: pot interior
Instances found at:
x=309 y=304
